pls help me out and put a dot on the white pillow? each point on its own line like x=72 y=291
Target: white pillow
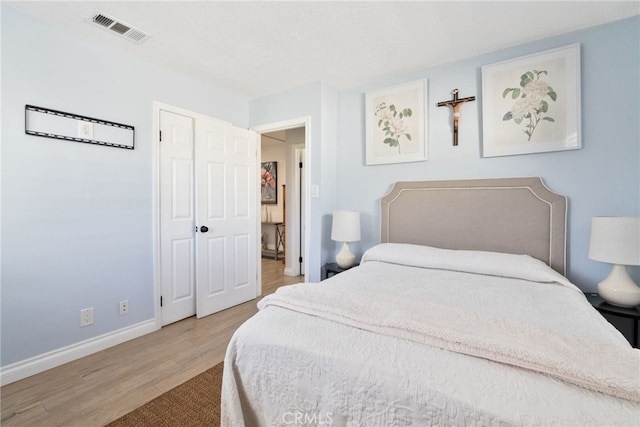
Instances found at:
x=478 y=262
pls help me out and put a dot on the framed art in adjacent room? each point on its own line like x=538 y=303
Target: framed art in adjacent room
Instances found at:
x=396 y=124
x=531 y=104
x=269 y=183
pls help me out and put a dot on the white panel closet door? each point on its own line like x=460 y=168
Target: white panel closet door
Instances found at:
x=177 y=217
x=226 y=212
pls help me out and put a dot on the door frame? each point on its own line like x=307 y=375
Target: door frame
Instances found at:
x=293 y=235
x=297 y=190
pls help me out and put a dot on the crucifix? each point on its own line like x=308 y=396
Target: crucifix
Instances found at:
x=455 y=103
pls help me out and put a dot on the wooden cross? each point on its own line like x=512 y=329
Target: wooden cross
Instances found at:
x=455 y=104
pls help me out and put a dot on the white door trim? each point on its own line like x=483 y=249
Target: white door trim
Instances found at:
x=284 y=125
x=155 y=169
x=299 y=205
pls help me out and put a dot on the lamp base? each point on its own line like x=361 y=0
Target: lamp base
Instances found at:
x=345 y=258
x=619 y=288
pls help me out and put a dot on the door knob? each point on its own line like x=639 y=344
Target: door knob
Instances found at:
x=204 y=229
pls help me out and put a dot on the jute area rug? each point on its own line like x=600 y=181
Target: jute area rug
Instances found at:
x=194 y=403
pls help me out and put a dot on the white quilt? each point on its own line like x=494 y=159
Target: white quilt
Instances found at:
x=284 y=367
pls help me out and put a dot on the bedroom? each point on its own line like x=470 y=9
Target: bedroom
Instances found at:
x=600 y=179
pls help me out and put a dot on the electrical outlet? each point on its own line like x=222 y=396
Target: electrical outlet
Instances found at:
x=124 y=307
x=86 y=316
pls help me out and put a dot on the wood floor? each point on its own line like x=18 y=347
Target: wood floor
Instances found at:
x=99 y=388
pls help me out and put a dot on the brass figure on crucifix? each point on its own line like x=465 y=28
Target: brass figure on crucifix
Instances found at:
x=455 y=104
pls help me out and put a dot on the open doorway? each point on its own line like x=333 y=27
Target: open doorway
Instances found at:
x=287 y=143
x=283 y=208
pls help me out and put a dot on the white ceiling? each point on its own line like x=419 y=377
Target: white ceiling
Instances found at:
x=258 y=48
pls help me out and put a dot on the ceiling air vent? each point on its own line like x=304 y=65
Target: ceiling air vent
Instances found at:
x=119 y=28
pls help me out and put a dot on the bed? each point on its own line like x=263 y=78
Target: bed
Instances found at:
x=460 y=316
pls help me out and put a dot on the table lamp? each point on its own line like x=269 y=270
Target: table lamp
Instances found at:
x=345 y=228
x=616 y=240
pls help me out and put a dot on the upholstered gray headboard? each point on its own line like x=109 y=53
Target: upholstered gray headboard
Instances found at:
x=512 y=215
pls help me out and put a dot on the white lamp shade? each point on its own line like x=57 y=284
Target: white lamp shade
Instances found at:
x=346 y=226
x=615 y=240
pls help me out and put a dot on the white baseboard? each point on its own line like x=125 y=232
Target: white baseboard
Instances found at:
x=25 y=368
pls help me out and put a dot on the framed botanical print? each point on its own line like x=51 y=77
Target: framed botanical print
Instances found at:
x=531 y=104
x=396 y=124
x=269 y=183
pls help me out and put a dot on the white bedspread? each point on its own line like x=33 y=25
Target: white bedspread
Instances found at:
x=284 y=367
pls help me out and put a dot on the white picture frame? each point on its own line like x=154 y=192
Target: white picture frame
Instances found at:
x=396 y=124
x=531 y=104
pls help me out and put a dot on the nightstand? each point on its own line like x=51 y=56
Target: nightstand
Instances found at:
x=625 y=319
x=331 y=269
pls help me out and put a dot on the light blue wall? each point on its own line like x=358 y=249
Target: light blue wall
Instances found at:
x=318 y=102
x=602 y=178
x=77 y=218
